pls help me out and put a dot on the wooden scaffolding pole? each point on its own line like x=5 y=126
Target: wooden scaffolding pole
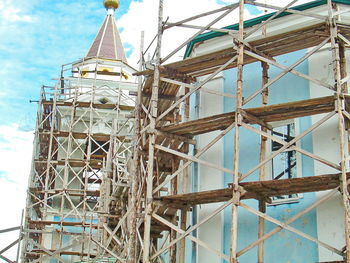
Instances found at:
x=262 y=177
x=177 y=231
x=185 y=182
x=238 y=118
x=152 y=140
x=173 y=190
x=135 y=173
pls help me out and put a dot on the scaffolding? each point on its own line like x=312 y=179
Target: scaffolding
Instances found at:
x=78 y=186
x=166 y=133
x=131 y=198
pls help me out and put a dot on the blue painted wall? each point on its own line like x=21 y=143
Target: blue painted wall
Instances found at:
x=285 y=246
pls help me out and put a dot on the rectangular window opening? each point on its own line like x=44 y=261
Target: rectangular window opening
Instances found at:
x=285 y=164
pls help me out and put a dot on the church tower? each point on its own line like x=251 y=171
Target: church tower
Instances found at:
x=78 y=185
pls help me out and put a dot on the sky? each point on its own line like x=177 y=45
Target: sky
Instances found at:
x=37 y=37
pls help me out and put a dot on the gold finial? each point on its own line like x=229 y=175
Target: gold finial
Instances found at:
x=111 y=4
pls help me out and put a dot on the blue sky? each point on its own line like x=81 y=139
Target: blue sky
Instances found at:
x=44 y=35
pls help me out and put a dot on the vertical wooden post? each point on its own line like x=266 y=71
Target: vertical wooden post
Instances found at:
x=340 y=107
x=135 y=173
x=152 y=140
x=173 y=191
x=343 y=74
x=20 y=236
x=52 y=138
x=182 y=246
x=262 y=174
x=238 y=118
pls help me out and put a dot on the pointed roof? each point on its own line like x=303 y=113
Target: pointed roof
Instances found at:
x=107 y=43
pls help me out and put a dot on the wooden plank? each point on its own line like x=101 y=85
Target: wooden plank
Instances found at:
x=276 y=45
x=83 y=104
x=40 y=223
x=276 y=112
x=258 y=189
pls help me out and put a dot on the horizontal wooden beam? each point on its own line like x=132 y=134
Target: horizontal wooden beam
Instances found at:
x=276 y=112
x=259 y=189
x=83 y=104
x=33 y=223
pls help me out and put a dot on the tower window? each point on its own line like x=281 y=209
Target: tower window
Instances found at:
x=103 y=100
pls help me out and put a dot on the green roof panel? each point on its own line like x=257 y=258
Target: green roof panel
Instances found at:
x=255 y=21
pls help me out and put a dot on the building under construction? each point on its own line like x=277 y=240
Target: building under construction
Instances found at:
x=238 y=153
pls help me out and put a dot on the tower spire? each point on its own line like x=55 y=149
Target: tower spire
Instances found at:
x=107 y=44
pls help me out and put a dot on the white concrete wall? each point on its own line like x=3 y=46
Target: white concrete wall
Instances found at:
x=330 y=219
x=104 y=65
x=210 y=178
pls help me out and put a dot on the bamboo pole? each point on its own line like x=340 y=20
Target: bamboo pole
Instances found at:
x=238 y=118
x=152 y=141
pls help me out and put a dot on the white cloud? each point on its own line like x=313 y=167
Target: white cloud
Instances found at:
x=143 y=16
x=9 y=11
x=15 y=148
x=279 y=3
x=15 y=156
x=175 y=10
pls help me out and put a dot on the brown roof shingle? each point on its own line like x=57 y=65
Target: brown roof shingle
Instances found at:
x=107 y=43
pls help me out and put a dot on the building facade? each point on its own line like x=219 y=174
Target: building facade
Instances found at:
x=326 y=221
